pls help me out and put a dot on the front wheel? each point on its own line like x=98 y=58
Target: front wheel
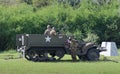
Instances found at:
x=93 y=54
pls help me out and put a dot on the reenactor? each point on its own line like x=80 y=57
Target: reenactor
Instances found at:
x=47 y=31
x=53 y=32
x=73 y=48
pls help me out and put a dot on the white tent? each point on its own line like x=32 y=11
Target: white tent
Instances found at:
x=111 y=49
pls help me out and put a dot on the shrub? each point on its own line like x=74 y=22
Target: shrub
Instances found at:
x=91 y=22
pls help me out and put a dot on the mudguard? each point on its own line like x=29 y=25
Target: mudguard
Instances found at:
x=87 y=46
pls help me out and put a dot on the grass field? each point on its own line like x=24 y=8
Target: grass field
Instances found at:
x=11 y=64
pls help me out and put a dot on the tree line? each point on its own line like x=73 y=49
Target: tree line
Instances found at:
x=89 y=20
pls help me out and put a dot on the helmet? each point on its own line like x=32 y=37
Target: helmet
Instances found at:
x=69 y=38
x=53 y=28
x=48 y=26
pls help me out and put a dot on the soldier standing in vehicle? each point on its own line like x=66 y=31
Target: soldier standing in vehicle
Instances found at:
x=53 y=32
x=47 y=31
x=73 y=48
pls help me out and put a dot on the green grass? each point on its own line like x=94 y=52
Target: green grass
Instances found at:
x=66 y=66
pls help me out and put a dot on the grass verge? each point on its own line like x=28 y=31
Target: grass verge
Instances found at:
x=66 y=66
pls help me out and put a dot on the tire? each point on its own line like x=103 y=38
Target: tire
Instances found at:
x=31 y=55
x=60 y=54
x=93 y=54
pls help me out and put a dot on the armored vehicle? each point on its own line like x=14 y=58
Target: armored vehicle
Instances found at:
x=38 y=47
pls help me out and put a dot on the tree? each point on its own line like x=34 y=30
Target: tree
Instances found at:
x=27 y=1
x=71 y=2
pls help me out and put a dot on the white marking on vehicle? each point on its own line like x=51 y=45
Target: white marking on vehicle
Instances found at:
x=47 y=39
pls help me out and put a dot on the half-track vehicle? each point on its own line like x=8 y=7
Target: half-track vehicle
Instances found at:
x=39 y=47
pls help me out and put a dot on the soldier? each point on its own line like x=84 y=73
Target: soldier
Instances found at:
x=73 y=48
x=53 y=32
x=47 y=31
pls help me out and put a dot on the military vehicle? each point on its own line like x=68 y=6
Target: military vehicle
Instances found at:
x=38 y=47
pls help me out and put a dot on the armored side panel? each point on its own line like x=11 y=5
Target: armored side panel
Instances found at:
x=21 y=40
x=39 y=40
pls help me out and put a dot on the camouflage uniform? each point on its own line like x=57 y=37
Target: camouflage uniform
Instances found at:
x=53 y=32
x=47 y=31
x=73 y=48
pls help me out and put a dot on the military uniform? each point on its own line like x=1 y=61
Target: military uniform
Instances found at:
x=53 y=32
x=47 y=31
x=73 y=48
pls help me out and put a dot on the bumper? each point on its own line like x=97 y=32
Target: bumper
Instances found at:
x=101 y=49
